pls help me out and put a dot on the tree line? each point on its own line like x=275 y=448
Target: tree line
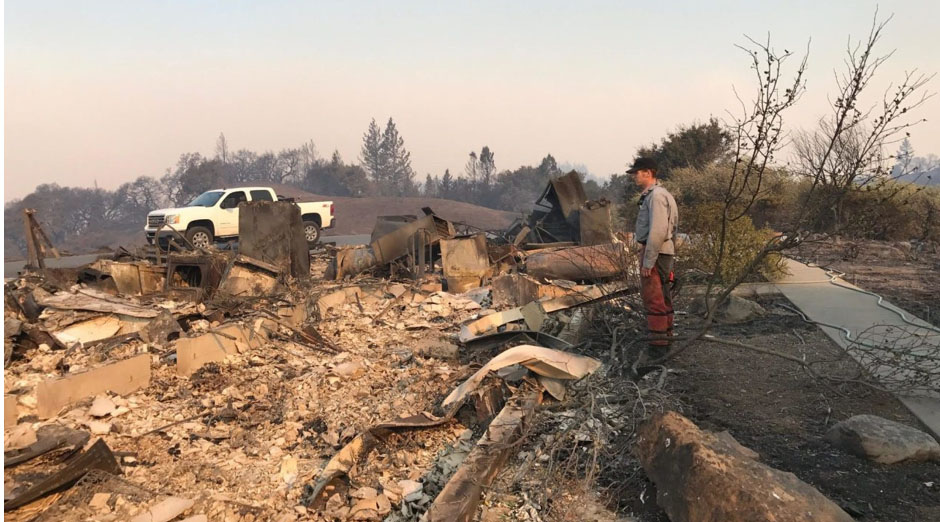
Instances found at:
x=694 y=161
x=383 y=169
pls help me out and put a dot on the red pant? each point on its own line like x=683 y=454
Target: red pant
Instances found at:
x=657 y=300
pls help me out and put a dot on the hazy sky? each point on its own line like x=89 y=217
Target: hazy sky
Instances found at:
x=103 y=91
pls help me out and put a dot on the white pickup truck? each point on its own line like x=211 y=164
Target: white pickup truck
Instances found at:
x=213 y=216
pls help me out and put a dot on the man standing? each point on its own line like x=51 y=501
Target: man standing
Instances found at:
x=655 y=229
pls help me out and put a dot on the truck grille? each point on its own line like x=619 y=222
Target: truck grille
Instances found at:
x=154 y=221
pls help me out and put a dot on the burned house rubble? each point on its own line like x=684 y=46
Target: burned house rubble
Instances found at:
x=389 y=381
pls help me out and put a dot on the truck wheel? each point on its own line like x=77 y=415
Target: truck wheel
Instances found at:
x=311 y=232
x=200 y=237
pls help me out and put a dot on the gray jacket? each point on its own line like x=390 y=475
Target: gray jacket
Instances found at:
x=656 y=223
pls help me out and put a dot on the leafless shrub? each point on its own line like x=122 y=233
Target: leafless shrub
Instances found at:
x=845 y=154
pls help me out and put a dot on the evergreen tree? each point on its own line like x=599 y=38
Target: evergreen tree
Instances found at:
x=431 y=184
x=447 y=185
x=472 y=168
x=399 y=177
x=487 y=166
x=904 y=159
x=372 y=156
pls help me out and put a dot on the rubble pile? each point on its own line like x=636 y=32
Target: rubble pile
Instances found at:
x=389 y=381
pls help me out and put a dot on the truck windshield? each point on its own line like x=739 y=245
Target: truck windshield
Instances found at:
x=206 y=199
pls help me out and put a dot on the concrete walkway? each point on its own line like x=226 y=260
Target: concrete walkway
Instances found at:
x=810 y=290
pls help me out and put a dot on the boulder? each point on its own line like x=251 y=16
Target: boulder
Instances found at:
x=701 y=476
x=733 y=311
x=882 y=440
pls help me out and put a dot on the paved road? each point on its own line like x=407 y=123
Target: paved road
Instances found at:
x=362 y=239
x=12 y=268
x=810 y=290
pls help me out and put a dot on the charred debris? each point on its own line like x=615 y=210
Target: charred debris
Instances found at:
x=387 y=381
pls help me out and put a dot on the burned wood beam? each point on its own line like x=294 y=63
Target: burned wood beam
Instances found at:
x=461 y=496
x=49 y=438
x=33 y=257
x=98 y=457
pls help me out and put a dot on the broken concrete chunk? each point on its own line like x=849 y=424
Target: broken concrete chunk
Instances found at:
x=121 y=378
x=689 y=466
x=102 y=406
x=99 y=427
x=882 y=440
x=397 y=289
x=165 y=511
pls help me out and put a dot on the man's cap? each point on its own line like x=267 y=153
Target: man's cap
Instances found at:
x=643 y=164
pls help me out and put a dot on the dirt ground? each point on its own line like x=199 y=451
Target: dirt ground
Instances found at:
x=773 y=407
x=906 y=274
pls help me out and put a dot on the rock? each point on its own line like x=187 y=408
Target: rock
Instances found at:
x=102 y=406
x=700 y=476
x=882 y=440
x=733 y=311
